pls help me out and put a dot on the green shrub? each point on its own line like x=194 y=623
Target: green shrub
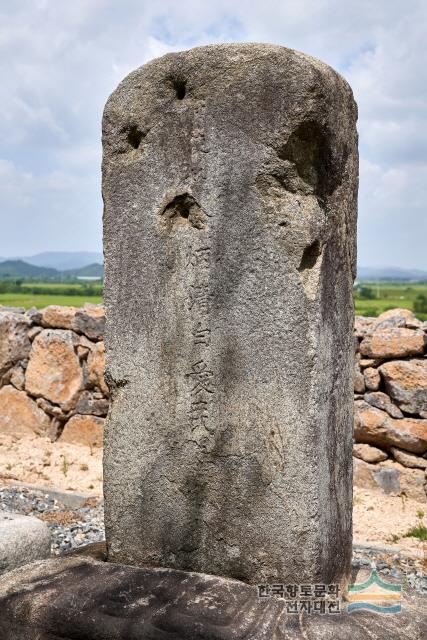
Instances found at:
x=419 y=531
x=420 y=303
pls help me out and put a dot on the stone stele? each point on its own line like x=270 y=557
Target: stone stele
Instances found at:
x=230 y=188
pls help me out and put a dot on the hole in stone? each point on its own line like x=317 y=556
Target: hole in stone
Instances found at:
x=180 y=87
x=184 y=209
x=134 y=136
x=180 y=206
x=310 y=255
x=309 y=151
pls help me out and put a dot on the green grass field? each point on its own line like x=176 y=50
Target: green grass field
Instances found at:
x=35 y=286
x=29 y=294
x=370 y=298
x=28 y=300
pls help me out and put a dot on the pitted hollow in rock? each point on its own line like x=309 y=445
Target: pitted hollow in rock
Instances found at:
x=181 y=210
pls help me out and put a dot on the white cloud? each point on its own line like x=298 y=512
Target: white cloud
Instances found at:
x=61 y=60
x=15 y=187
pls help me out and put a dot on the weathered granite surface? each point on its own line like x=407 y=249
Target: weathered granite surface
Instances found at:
x=88 y=600
x=229 y=183
x=23 y=539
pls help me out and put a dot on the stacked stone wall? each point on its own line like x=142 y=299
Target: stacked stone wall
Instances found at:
x=390 y=408
x=52 y=383
x=52 y=373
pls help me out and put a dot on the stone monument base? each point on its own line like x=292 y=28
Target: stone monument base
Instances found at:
x=80 y=598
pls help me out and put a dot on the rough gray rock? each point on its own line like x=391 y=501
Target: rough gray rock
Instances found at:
x=14 y=342
x=394 y=318
x=20 y=415
x=22 y=540
x=89 y=404
x=358 y=380
x=373 y=426
x=17 y=377
x=372 y=378
x=90 y=600
x=394 y=342
x=34 y=315
x=403 y=480
x=229 y=182
x=409 y=459
x=54 y=371
x=406 y=382
x=4 y=309
x=382 y=401
x=388 y=480
x=90 y=320
x=368 y=453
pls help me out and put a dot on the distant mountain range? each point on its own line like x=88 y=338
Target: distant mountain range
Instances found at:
x=22 y=269
x=390 y=273
x=60 y=260
x=77 y=264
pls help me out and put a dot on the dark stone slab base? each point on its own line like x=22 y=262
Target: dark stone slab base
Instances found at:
x=80 y=598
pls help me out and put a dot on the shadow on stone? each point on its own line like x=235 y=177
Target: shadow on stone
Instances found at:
x=83 y=599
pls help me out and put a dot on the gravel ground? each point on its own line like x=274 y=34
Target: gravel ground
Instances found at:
x=74 y=528
x=391 y=564
x=70 y=527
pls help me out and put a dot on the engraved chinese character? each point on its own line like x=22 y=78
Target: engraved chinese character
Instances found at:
x=200 y=297
x=202 y=377
x=200 y=258
x=201 y=334
x=199 y=413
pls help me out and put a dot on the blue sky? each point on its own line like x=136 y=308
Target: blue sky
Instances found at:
x=60 y=60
